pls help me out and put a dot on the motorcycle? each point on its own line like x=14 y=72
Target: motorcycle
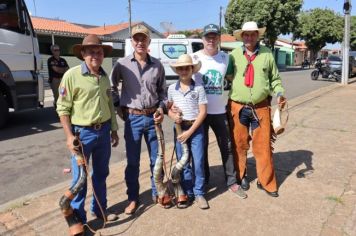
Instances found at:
x=325 y=72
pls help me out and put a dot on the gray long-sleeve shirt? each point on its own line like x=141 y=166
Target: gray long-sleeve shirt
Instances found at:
x=141 y=87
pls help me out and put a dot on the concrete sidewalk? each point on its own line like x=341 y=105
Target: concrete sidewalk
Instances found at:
x=316 y=173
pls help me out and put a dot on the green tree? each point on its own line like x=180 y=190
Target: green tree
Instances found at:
x=190 y=33
x=318 y=27
x=279 y=16
x=353 y=33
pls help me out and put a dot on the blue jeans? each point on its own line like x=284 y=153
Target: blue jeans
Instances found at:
x=192 y=178
x=247 y=118
x=97 y=145
x=137 y=126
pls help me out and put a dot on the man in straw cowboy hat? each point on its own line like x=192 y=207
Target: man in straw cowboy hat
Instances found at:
x=143 y=93
x=85 y=105
x=211 y=75
x=190 y=99
x=255 y=78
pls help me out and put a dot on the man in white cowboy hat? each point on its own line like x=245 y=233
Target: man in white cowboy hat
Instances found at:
x=85 y=105
x=143 y=93
x=211 y=75
x=255 y=78
x=190 y=98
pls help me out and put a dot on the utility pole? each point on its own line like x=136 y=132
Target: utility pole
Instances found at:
x=220 y=16
x=346 y=47
x=129 y=18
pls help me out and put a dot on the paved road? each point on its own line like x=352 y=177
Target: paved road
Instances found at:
x=33 y=152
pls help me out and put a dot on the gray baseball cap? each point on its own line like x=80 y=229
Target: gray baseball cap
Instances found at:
x=211 y=28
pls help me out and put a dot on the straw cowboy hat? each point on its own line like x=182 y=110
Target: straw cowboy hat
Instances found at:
x=90 y=40
x=185 y=60
x=249 y=26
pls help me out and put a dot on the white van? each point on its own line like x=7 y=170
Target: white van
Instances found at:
x=168 y=50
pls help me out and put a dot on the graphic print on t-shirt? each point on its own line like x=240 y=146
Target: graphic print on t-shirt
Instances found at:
x=212 y=80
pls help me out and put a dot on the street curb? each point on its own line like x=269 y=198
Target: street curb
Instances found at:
x=293 y=103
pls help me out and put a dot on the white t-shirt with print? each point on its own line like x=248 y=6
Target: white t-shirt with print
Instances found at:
x=211 y=76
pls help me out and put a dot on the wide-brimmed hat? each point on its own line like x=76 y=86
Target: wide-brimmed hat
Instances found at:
x=140 y=29
x=90 y=40
x=186 y=60
x=249 y=26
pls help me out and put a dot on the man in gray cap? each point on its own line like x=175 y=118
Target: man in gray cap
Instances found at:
x=143 y=93
x=211 y=75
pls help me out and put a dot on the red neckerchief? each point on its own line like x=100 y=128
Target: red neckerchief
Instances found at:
x=249 y=71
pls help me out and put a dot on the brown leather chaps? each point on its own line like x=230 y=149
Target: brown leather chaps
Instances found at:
x=262 y=138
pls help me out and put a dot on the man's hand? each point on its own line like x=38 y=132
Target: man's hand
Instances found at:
x=70 y=146
x=114 y=138
x=158 y=116
x=281 y=101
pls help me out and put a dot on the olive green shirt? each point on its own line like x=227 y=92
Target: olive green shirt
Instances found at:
x=86 y=99
x=266 y=76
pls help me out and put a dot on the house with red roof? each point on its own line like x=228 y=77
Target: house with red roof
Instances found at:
x=65 y=34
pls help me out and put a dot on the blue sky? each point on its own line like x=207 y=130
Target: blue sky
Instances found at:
x=182 y=14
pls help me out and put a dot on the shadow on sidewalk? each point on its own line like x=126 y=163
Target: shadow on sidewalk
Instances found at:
x=285 y=163
x=145 y=204
x=217 y=184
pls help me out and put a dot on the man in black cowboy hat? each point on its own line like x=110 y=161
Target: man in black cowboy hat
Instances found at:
x=85 y=104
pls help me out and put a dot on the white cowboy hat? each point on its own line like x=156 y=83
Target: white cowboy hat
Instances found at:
x=249 y=26
x=185 y=60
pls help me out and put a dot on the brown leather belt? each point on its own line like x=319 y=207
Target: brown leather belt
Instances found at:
x=187 y=122
x=145 y=112
x=264 y=103
x=96 y=126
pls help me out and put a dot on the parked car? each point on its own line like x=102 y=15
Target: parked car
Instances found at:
x=353 y=62
x=333 y=63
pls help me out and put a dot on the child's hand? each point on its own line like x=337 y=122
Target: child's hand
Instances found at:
x=177 y=117
x=175 y=109
x=184 y=136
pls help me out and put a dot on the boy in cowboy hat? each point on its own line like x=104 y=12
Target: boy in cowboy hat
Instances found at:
x=85 y=104
x=255 y=78
x=190 y=99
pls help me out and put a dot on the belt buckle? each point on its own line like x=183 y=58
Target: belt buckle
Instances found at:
x=97 y=126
